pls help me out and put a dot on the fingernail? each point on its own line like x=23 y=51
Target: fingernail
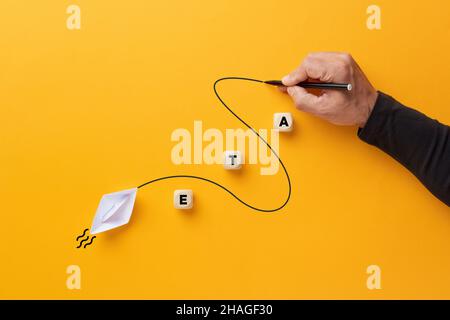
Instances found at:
x=286 y=79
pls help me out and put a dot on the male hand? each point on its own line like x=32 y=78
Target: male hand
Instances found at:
x=336 y=106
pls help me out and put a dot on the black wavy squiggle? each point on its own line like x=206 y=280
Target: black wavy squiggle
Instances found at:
x=82 y=241
x=90 y=242
x=84 y=232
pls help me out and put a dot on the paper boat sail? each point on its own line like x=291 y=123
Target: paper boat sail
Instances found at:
x=114 y=210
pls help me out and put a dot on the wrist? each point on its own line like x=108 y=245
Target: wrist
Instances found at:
x=369 y=104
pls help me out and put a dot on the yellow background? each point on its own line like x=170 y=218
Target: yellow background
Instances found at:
x=90 y=111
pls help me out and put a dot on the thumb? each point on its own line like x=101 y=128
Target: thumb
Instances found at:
x=303 y=100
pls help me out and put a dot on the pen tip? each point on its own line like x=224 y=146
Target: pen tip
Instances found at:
x=273 y=82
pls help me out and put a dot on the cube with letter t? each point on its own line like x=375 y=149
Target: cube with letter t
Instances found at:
x=232 y=160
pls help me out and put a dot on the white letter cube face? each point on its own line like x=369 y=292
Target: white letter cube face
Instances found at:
x=183 y=199
x=232 y=160
x=283 y=121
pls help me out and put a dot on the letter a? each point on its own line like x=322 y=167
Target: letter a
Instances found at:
x=374 y=280
x=374 y=20
x=74 y=20
x=181 y=152
x=74 y=279
x=284 y=122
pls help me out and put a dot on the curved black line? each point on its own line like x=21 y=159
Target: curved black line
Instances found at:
x=81 y=243
x=257 y=134
x=84 y=232
x=92 y=239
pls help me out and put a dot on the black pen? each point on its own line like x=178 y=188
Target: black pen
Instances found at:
x=315 y=85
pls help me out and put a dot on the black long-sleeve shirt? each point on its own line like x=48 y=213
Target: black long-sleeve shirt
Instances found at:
x=419 y=143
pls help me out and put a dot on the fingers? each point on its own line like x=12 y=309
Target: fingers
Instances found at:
x=282 y=89
x=322 y=66
x=337 y=107
x=296 y=76
x=304 y=100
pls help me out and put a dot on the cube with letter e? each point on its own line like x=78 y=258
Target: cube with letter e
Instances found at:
x=183 y=199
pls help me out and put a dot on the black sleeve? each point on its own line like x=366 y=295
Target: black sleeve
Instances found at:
x=419 y=143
